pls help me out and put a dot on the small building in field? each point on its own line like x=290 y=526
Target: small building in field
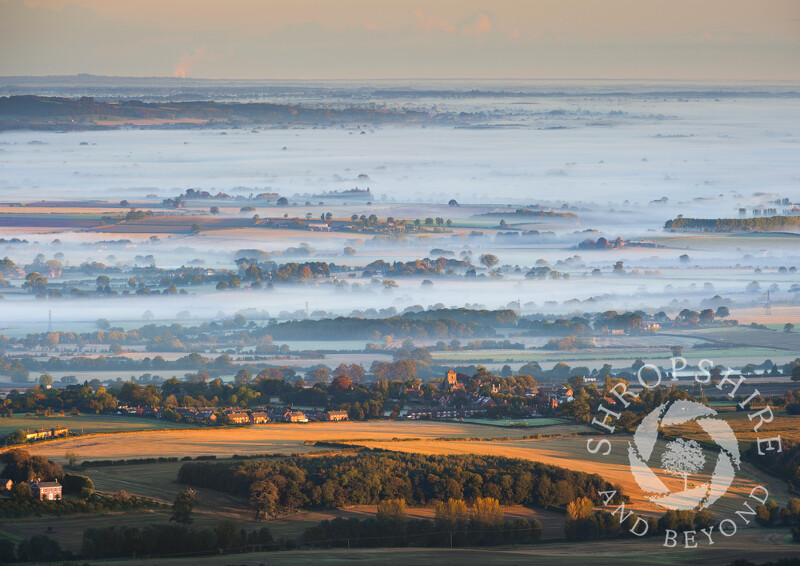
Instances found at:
x=46 y=490
x=335 y=416
x=44 y=433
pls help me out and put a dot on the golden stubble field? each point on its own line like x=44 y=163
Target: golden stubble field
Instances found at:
x=272 y=438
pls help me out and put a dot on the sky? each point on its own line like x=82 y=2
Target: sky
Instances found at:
x=741 y=40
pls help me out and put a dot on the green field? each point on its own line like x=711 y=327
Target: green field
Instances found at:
x=655 y=353
x=86 y=424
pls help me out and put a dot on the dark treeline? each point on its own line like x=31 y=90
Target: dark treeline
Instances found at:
x=347 y=328
x=27 y=110
x=493 y=318
x=427 y=266
x=765 y=223
x=274 y=487
x=166 y=539
x=784 y=464
x=375 y=533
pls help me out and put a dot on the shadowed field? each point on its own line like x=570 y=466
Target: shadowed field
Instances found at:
x=758 y=545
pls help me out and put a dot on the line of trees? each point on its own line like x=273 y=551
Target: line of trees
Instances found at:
x=761 y=223
x=275 y=487
x=455 y=524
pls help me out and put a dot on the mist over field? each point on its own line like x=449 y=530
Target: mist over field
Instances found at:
x=684 y=142
x=527 y=172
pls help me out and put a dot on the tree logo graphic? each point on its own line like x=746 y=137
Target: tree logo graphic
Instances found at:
x=684 y=457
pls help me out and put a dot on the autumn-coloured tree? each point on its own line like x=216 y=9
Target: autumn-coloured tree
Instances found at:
x=486 y=512
x=581 y=508
x=452 y=513
x=392 y=510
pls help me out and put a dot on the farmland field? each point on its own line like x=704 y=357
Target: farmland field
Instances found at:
x=271 y=439
x=772 y=544
x=87 y=424
x=596 y=357
x=420 y=437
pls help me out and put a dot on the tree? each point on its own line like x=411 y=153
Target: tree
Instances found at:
x=72 y=458
x=452 y=202
x=21 y=491
x=682 y=458
x=706 y=316
x=796 y=373
x=581 y=508
x=392 y=510
x=788 y=327
x=243 y=377
x=45 y=380
x=722 y=312
x=452 y=513
x=488 y=260
x=486 y=512
x=753 y=287
x=35 y=282
x=183 y=506
x=214 y=210
x=283 y=201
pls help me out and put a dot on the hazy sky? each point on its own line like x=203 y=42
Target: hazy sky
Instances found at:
x=644 y=39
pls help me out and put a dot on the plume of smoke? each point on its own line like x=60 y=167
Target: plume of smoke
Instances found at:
x=188 y=61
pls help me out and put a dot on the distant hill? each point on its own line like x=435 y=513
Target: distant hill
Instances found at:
x=43 y=112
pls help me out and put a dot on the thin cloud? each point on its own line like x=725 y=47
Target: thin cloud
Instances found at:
x=481 y=26
x=432 y=23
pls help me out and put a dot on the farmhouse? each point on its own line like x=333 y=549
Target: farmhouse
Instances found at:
x=335 y=415
x=259 y=418
x=46 y=490
x=238 y=418
x=296 y=417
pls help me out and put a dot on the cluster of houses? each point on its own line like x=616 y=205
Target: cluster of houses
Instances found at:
x=446 y=408
x=210 y=415
x=45 y=433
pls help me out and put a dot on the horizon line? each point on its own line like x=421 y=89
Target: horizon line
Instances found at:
x=351 y=79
